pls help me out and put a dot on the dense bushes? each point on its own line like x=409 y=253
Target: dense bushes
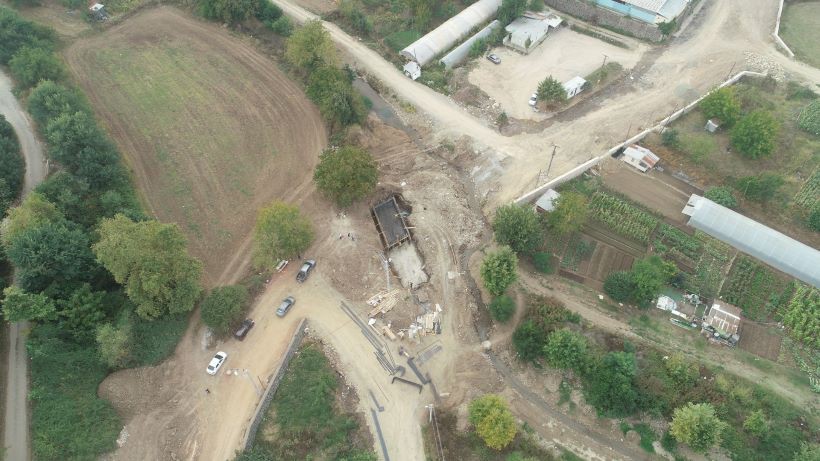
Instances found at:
x=754 y=136
x=224 y=307
x=498 y=270
x=30 y=65
x=641 y=284
x=12 y=166
x=16 y=33
x=722 y=196
x=235 y=11
x=517 y=227
x=761 y=187
x=502 y=308
x=722 y=104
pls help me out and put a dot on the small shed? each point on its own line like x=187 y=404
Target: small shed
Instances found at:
x=97 y=11
x=666 y=303
x=412 y=69
x=712 y=125
x=640 y=157
x=526 y=32
x=723 y=320
x=546 y=203
x=574 y=86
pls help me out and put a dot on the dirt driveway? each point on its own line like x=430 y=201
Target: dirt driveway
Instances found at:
x=564 y=54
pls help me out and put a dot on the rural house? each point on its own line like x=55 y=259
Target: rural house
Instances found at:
x=648 y=11
x=528 y=31
x=722 y=321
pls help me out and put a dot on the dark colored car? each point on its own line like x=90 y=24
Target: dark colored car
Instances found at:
x=304 y=271
x=243 y=330
x=287 y=303
x=493 y=58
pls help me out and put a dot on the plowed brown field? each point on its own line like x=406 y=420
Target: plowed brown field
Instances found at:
x=211 y=128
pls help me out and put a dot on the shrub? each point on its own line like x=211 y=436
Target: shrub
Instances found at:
x=608 y=385
x=231 y=11
x=478 y=48
x=49 y=100
x=566 y=349
x=332 y=90
x=722 y=104
x=670 y=138
x=358 y=20
x=30 y=65
x=266 y=11
x=697 y=425
x=509 y=10
x=809 y=118
x=12 y=166
x=761 y=187
x=528 y=340
x=721 y=195
x=281 y=26
x=16 y=33
x=498 y=270
x=536 y=5
x=543 y=263
x=502 y=120
x=551 y=91
x=619 y=286
x=114 y=344
x=223 y=307
x=754 y=136
x=517 y=226
x=310 y=48
x=502 y=308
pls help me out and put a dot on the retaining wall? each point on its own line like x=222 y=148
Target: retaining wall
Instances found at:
x=273 y=384
x=580 y=169
x=776 y=33
x=609 y=18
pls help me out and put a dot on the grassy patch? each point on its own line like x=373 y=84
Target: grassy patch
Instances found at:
x=156 y=340
x=592 y=33
x=647 y=436
x=305 y=420
x=400 y=39
x=800 y=27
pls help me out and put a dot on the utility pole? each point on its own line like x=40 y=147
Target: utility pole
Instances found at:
x=554 y=147
x=601 y=73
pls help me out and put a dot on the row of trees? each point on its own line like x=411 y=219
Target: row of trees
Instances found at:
x=12 y=166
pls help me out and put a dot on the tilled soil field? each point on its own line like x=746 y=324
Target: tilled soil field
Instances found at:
x=211 y=128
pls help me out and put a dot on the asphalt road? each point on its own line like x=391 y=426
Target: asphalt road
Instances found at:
x=16 y=437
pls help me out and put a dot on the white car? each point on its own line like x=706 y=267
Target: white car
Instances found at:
x=533 y=99
x=216 y=362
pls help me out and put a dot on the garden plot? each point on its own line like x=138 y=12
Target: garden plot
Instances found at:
x=759 y=339
x=752 y=287
x=564 y=54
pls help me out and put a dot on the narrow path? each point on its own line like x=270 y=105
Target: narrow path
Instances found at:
x=16 y=438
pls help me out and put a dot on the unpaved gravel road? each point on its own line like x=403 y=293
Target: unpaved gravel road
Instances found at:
x=16 y=439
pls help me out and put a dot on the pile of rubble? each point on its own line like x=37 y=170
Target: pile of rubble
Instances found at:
x=764 y=65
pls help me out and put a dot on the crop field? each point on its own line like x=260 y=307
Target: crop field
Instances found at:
x=211 y=128
x=750 y=286
x=761 y=340
x=622 y=217
x=800 y=27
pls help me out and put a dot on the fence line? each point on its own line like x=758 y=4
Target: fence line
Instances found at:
x=776 y=33
x=273 y=380
x=580 y=169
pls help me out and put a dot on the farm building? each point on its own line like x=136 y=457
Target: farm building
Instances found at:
x=749 y=236
x=682 y=310
x=648 y=11
x=528 y=31
x=640 y=157
x=723 y=320
x=412 y=70
x=574 y=86
x=546 y=202
x=443 y=37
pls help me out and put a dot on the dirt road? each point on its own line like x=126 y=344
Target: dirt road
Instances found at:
x=712 y=46
x=16 y=438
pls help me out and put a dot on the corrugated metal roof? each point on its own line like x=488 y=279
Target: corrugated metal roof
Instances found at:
x=749 y=236
x=649 y=5
x=641 y=154
x=443 y=37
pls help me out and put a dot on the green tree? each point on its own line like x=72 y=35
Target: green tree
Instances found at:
x=223 y=307
x=517 y=227
x=761 y=187
x=697 y=425
x=54 y=258
x=722 y=104
x=755 y=134
x=619 y=286
x=16 y=33
x=809 y=118
x=721 y=195
x=114 y=343
x=551 y=91
x=310 y=48
x=48 y=100
x=12 y=166
x=30 y=65
x=149 y=259
x=528 y=340
x=498 y=270
x=543 y=262
x=229 y=11
x=509 y=10
x=281 y=26
x=649 y=275
x=340 y=104
x=82 y=313
x=502 y=308
x=609 y=385
x=493 y=421
x=20 y=306
x=346 y=175
x=667 y=28
x=33 y=212
x=281 y=232
x=570 y=214
x=756 y=423
x=566 y=349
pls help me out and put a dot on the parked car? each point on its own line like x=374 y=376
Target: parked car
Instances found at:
x=304 y=271
x=493 y=58
x=533 y=99
x=287 y=303
x=216 y=362
x=243 y=330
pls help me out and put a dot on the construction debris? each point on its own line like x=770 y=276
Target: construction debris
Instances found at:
x=383 y=302
x=407 y=381
x=388 y=332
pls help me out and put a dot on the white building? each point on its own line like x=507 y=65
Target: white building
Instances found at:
x=640 y=157
x=526 y=32
x=412 y=70
x=546 y=203
x=574 y=86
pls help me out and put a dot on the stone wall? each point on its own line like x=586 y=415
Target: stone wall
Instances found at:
x=608 y=18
